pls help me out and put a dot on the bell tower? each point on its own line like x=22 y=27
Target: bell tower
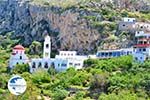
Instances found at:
x=47 y=47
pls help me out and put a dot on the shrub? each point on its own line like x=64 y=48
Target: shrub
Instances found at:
x=40 y=77
x=59 y=94
x=20 y=68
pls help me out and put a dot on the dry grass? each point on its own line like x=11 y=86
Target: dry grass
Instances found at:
x=61 y=3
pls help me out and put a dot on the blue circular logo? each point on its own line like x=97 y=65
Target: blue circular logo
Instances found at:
x=17 y=85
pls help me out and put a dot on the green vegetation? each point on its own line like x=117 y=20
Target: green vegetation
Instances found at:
x=20 y=68
x=109 y=79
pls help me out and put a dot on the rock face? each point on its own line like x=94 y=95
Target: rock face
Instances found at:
x=68 y=29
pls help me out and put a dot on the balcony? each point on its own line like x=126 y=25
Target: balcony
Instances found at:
x=142 y=45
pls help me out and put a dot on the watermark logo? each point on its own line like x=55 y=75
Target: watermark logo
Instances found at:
x=17 y=85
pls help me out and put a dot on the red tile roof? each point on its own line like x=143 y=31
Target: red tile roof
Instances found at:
x=19 y=47
x=142 y=45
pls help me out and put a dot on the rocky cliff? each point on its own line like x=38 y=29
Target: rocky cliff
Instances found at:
x=28 y=22
x=68 y=27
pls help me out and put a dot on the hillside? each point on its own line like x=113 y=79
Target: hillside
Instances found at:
x=82 y=25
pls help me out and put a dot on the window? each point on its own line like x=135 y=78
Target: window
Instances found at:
x=106 y=54
x=53 y=65
x=47 y=45
x=70 y=63
x=98 y=54
x=78 y=64
x=145 y=42
x=40 y=65
x=136 y=58
x=102 y=54
x=130 y=52
x=46 y=65
x=110 y=53
x=20 y=57
x=63 y=65
x=17 y=63
x=33 y=65
x=140 y=42
x=144 y=49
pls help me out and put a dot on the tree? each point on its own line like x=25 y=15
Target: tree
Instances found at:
x=20 y=68
x=35 y=48
x=59 y=94
x=3 y=80
x=99 y=81
x=80 y=95
x=81 y=79
x=51 y=71
x=41 y=76
x=123 y=95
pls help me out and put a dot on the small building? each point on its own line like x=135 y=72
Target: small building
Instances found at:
x=142 y=46
x=18 y=56
x=130 y=24
x=126 y=19
x=103 y=54
x=67 y=59
x=142 y=26
x=127 y=24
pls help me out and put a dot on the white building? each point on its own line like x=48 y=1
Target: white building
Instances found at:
x=46 y=61
x=114 y=53
x=61 y=62
x=67 y=59
x=92 y=57
x=139 y=33
x=142 y=46
x=41 y=63
x=18 y=56
x=126 y=19
x=142 y=26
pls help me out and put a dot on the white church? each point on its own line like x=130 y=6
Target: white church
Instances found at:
x=61 y=62
x=18 y=56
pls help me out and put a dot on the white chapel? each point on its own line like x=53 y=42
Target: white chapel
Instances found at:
x=18 y=56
